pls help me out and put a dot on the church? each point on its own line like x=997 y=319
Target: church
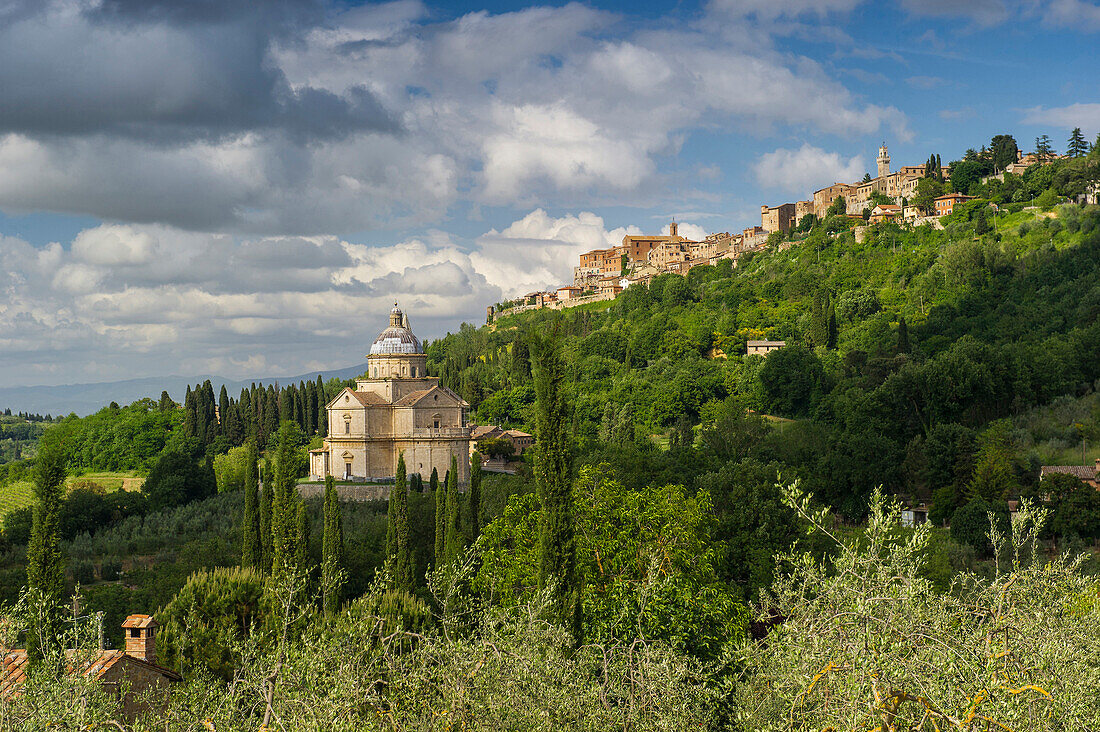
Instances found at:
x=394 y=408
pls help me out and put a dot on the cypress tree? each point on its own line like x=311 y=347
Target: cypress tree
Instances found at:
x=903 y=336
x=322 y=402
x=267 y=499
x=440 y=518
x=284 y=505
x=475 y=496
x=819 y=321
x=554 y=482
x=251 y=549
x=45 y=572
x=452 y=541
x=223 y=410
x=271 y=415
x=209 y=417
x=190 y=417
x=166 y=403
x=830 y=341
x=397 y=529
x=332 y=548
x=301 y=539
x=286 y=405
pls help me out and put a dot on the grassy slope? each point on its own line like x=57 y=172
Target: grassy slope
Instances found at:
x=21 y=493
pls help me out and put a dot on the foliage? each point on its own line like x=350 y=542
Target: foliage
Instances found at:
x=866 y=642
x=557 y=570
x=179 y=477
x=397 y=530
x=202 y=628
x=44 y=558
x=646 y=558
x=332 y=553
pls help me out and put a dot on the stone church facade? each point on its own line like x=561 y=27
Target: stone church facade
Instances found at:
x=394 y=408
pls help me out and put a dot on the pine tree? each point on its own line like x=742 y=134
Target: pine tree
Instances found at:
x=1078 y=146
x=251 y=549
x=903 y=336
x=475 y=496
x=1043 y=149
x=440 y=518
x=332 y=549
x=267 y=500
x=554 y=483
x=452 y=541
x=397 y=530
x=45 y=572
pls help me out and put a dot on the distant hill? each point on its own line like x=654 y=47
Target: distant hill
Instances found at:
x=84 y=399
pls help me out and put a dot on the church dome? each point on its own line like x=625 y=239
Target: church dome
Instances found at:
x=397 y=338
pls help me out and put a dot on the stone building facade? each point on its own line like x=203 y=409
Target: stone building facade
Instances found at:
x=778 y=218
x=394 y=409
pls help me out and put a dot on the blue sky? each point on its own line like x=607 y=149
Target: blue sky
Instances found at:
x=244 y=188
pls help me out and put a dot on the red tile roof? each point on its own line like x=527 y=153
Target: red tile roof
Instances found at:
x=1084 y=472
x=93 y=665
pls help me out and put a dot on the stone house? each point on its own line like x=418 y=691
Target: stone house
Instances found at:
x=944 y=205
x=763 y=348
x=1087 y=474
x=778 y=218
x=134 y=668
x=824 y=197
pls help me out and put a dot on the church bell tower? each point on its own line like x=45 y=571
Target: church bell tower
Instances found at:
x=883 y=161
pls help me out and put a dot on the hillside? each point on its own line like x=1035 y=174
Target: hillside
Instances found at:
x=902 y=349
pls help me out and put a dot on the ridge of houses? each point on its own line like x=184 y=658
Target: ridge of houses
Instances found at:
x=602 y=274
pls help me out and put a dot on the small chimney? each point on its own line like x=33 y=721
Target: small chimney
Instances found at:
x=141 y=635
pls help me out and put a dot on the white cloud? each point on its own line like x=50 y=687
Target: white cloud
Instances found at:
x=1073 y=14
x=806 y=169
x=380 y=117
x=127 y=299
x=1083 y=115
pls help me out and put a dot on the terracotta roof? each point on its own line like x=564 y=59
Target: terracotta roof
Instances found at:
x=368 y=398
x=14 y=672
x=480 y=430
x=411 y=398
x=765 y=343
x=516 y=433
x=1084 y=472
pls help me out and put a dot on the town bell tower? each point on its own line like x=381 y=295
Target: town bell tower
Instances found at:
x=883 y=161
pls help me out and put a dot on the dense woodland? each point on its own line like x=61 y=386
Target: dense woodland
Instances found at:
x=700 y=539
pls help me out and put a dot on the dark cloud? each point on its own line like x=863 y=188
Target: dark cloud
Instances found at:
x=186 y=71
x=272 y=13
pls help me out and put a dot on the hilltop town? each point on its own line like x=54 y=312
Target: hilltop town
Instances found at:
x=913 y=195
